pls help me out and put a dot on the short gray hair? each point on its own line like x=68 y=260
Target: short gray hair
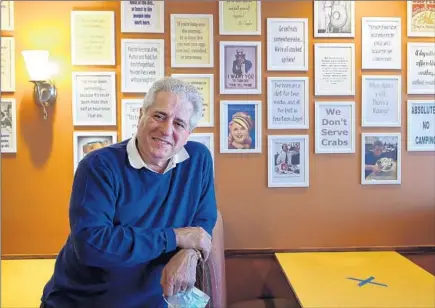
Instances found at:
x=183 y=90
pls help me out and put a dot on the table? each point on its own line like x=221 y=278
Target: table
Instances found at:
x=22 y=281
x=371 y=279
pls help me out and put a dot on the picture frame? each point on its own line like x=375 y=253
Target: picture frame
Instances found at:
x=288 y=105
x=240 y=126
x=207 y=92
x=380 y=51
x=190 y=49
x=7 y=16
x=283 y=44
x=8 y=125
x=381 y=101
x=130 y=111
x=8 y=82
x=325 y=67
x=133 y=20
x=85 y=142
x=288 y=161
x=229 y=26
x=341 y=26
x=335 y=127
x=136 y=63
x=205 y=138
x=83 y=49
x=383 y=150
x=416 y=11
x=90 y=105
x=418 y=82
x=240 y=67
x=421 y=125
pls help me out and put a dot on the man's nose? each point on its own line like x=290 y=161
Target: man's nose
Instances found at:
x=166 y=128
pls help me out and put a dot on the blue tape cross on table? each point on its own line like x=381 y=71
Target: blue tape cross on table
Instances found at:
x=367 y=281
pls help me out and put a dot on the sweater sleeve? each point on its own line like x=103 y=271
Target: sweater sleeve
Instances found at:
x=206 y=214
x=96 y=240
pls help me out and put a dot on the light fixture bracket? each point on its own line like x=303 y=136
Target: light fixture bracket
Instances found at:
x=45 y=94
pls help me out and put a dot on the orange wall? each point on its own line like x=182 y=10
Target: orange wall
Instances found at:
x=36 y=182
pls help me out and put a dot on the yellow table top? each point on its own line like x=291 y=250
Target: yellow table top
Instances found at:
x=357 y=279
x=22 y=282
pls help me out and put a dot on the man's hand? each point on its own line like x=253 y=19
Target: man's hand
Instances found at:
x=194 y=237
x=179 y=274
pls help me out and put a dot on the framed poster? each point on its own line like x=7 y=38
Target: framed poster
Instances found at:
x=335 y=127
x=240 y=67
x=288 y=102
x=287 y=44
x=334 y=70
x=142 y=16
x=8 y=121
x=94 y=98
x=381 y=158
x=130 y=112
x=206 y=139
x=288 y=161
x=240 y=127
x=192 y=40
x=7 y=69
x=421 y=125
x=86 y=142
x=7 y=16
x=334 y=18
x=93 y=38
x=205 y=85
x=239 y=17
x=381 y=101
x=421 y=18
x=142 y=63
x=421 y=69
x=381 y=43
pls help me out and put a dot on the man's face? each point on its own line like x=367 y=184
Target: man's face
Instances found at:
x=164 y=128
x=377 y=150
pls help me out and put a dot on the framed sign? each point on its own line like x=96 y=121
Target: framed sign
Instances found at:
x=8 y=121
x=206 y=139
x=288 y=102
x=192 y=40
x=287 y=44
x=7 y=16
x=142 y=16
x=86 y=142
x=93 y=38
x=421 y=70
x=421 y=18
x=334 y=68
x=381 y=43
x=381 y=100
x=240 y=67
x=381 y=158
x=335 y=127
x=239 y=17
x=288 y=161
x=421 y=125
x=94 y=98
x=142 y=63
x=205 y=85
x=334 y=18
x=240 y=127
x=130 y=111
x=7 y=69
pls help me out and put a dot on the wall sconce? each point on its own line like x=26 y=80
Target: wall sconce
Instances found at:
x=40 y=71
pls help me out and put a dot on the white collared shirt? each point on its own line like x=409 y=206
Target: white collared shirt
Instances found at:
x=137 y=162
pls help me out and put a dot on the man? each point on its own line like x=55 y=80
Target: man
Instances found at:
x=141 y=211
x=371 y=157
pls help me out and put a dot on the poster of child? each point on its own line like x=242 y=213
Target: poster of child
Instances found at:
x=241 y=126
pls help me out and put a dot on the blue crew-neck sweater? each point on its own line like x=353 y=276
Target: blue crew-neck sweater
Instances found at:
x=122 y=222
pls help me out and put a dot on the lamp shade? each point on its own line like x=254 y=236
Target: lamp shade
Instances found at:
x=37 y=64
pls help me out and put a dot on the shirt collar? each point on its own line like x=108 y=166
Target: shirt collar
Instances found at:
x=137 y=162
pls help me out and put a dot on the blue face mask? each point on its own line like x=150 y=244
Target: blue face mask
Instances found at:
x=194 y=298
